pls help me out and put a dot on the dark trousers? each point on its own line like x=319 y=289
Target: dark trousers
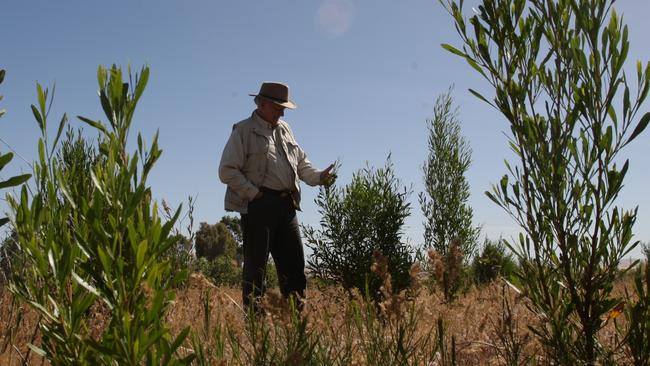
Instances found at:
x=271 y=226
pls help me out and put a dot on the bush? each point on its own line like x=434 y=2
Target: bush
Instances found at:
x=365 y=216
x=492 y=262
x=222 y=271
x=101 y=244
x=226 y=271
x=215 y=240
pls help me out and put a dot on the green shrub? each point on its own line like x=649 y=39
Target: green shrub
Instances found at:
x=222 y=270
x=365 y=216
x=226 y=271
x=99 y=245
x=215 y=240
x=492 y=262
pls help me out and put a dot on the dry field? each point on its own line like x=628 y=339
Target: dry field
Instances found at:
x=336 y=329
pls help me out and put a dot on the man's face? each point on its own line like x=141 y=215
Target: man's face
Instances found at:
x=269 y=111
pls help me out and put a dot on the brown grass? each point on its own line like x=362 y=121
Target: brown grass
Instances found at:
x=483 y=331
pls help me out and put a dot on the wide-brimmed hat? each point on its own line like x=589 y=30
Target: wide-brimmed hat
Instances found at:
x=277 y=93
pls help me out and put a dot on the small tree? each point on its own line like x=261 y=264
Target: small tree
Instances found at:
x=556 y=67
x=233 y=223
x=214 y=240
x=365 y=216
x=493 y=261
x=444 y=203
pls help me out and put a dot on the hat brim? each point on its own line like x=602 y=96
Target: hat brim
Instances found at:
x=287 y=104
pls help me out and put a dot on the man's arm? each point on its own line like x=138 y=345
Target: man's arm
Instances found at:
x=311 y=175
x=231 y=165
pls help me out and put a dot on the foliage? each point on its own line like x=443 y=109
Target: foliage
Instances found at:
x=102 y=245
x=233 y=223
x=492 y=262
x=444 y=204
x=222 y=270
x=181 y=254
x=5 y=159
x=365 y=216
x=556 y=67
x=214 y=240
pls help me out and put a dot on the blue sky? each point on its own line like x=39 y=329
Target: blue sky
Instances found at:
x=365 y=74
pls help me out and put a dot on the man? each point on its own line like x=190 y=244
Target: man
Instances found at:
x=262 y=164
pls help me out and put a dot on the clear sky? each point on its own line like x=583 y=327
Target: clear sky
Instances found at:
x=365 y=74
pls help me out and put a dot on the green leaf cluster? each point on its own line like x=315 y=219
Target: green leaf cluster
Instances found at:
x=556 y=70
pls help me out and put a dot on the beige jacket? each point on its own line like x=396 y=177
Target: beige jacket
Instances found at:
x=244 y=162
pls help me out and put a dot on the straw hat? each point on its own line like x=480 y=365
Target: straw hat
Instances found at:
x=277 y=93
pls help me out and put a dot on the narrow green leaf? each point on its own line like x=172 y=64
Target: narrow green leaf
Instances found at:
x=479 y=96
x=39 y=118
x=41 y=151
x=50 y=259
x=39 y=351
x=63 y=187
x=85 y=284
x=3 y=221
x=643 y=123
x=142 y=83
x=5 y=159
x=2 y=75
x=15 y=181
x=142 y=250
x=64 y=120
x=453 y=50
x=96 y=124
x=42 y=97
x=180 y=339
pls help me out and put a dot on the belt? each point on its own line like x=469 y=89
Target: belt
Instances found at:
x=275 y=192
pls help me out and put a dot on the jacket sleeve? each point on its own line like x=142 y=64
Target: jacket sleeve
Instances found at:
x=306 y=171
x=231 y=165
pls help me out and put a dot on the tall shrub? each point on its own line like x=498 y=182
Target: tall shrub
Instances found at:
x=365 y=216
x=447 y=214
x=556 y=69
x=103 y=245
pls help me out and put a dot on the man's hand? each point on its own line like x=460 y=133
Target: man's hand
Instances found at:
x=328 y=176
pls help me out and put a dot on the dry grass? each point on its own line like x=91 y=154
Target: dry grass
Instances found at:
x=484 y=332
